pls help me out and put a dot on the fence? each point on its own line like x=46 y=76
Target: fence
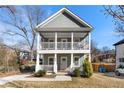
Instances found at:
x=110 y=67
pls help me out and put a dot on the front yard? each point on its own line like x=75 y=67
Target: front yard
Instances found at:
x=96 y=81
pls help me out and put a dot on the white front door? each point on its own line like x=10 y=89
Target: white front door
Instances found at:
x=63 y=63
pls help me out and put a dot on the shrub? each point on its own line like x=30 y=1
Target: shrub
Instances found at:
x=77 y=72
x=87 y=68
x=40 y=73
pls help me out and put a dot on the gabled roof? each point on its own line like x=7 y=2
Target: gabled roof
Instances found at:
x=67 y=13
x=120 y=42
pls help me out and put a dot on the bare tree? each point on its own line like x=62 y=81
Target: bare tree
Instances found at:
x=105 y=49
x=94 y=50
x=7 y=57
x=117 y=13
x=24 y=20
x=10 y=8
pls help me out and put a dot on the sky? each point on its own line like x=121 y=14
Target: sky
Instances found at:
x=103 y=26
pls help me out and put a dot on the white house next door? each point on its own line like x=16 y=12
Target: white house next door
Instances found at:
x=63 y=63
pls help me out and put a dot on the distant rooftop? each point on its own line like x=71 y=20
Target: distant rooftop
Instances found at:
x=120 y=42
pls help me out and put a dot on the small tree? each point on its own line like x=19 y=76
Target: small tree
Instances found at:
x=87 y=68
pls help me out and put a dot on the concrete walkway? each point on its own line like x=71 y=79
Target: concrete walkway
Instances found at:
x=7 y=79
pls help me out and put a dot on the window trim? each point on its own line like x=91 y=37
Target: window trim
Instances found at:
x=49 y=60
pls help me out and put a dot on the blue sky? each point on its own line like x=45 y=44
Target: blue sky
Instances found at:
x=103 y=32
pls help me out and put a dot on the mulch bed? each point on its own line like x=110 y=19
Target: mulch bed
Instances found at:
x=46 y=76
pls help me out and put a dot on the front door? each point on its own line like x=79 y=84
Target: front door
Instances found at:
x=63 y=63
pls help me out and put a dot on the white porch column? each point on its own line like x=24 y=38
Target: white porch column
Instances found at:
x=38 y=67
x=72 y=40
x=71 y=65
x=89 y=47
x=55 y=64
x=55 y=40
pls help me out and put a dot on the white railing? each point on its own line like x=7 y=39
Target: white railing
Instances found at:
x=80 y=46
x=65 y=46
x=48 y=45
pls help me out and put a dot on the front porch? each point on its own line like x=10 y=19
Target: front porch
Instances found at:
x=59 y=62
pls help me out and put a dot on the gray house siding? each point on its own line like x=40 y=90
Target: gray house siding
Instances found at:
x=46 y=56
x=61 y=21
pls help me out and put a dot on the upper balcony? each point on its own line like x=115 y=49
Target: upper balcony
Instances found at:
x=64 y=41
x=64 y=46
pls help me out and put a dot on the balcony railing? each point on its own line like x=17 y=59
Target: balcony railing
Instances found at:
x=80 y=46
x=65 y=46
x=48 y=45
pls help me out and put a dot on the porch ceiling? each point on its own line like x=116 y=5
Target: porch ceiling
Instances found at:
x=63 y=35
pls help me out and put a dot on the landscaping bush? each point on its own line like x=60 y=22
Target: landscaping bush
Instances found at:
x=77 y=72
x=40 y=73
x=87 y=68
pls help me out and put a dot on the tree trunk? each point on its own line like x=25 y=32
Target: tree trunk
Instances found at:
x=31 y=55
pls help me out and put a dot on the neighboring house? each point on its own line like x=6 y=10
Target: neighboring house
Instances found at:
x=119 y=49
x=63 y=41
x=24 y=55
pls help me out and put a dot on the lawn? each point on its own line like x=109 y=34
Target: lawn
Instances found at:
x=96 y=81
x=4 y=74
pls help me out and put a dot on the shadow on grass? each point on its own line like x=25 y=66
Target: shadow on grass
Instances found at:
x=112 y=74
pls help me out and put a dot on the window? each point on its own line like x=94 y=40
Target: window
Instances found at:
x=121 y=59
x=51 y=61
x=76 y=61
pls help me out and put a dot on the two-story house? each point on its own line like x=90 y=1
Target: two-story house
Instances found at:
x=63 y=40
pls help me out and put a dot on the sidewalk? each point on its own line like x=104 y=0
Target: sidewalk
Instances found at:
x=7 y=79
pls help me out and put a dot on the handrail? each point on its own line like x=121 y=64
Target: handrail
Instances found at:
x=65 y=45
